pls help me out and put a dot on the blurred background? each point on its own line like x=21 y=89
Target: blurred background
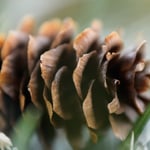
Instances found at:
x=130 y=17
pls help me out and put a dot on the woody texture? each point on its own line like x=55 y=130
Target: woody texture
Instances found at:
x=75 y=79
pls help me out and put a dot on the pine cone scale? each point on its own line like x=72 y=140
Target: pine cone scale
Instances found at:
x=81 y=81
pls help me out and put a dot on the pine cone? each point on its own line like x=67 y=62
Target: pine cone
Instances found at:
x=81 y=81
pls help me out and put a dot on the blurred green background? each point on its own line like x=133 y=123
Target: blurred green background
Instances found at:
x=132 y=17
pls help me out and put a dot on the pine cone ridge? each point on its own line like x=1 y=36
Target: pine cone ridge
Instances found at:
x=81 y=81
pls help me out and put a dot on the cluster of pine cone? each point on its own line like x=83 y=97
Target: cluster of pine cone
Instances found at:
x=75 y=82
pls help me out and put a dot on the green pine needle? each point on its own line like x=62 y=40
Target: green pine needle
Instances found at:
x=25 y=128
x=137 y=131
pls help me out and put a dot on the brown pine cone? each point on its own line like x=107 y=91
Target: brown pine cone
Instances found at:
x=81 y=81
